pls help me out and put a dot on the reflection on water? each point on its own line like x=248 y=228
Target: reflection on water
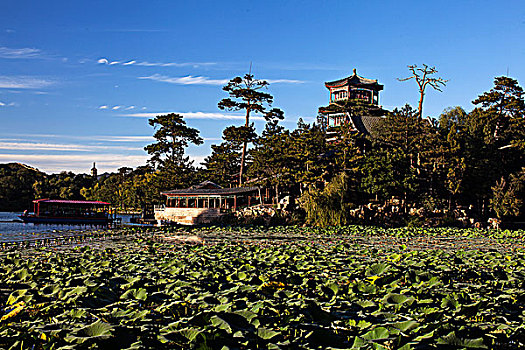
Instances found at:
x=18 y=231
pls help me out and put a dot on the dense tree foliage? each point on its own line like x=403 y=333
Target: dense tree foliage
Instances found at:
x=16 y=186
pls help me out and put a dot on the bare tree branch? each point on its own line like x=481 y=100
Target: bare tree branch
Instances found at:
x=422 y=78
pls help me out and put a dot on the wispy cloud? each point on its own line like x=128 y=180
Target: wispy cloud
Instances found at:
x=187 y=80
x=123 y=138
x=200 y=80
x=23 y=82
x=194 y=115
x=285 y=81
x=40 y=146
x=6 y=52
x=134 y=62
x=30 y=137
x=116 y=107
x=10 y=104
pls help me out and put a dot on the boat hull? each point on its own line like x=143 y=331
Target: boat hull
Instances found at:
x=64 y=220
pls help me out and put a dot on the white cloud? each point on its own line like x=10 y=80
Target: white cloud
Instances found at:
x=6 y=52
x=187 y=80
x=194 y=115
x=110 y=138
x=10 y=104
x=117 y=107
x=23 y=82
x=134 y=62
x=174 y=64
x=199 y=80
x=38 y=146
x=285 y=81
x=123 y=138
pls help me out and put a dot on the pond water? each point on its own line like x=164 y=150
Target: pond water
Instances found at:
x=11 y=230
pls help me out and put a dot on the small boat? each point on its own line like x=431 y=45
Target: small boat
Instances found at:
x=61 y=211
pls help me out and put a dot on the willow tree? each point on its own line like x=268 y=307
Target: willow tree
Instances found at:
x=424 y=77
x=245 y=94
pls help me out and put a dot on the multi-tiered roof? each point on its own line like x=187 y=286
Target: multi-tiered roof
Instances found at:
x=353 y=100
x=356 y=81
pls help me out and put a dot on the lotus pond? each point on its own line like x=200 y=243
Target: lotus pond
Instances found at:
x=249 y=288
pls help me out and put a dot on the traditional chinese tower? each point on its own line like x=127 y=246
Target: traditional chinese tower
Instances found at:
x=353 y=100
x=94 y=172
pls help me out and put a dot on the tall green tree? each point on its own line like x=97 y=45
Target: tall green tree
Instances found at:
x=507 y=195
x=270 y=158
x=245 y=94
x=173 y=136
x=168 y=152
x=504 y=110
x=393 y=167
x=223 y=165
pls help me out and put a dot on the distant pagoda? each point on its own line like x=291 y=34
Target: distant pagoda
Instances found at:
x=354 y=101
x=94 y=171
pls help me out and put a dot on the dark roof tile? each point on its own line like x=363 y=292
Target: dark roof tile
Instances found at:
x=210 y=191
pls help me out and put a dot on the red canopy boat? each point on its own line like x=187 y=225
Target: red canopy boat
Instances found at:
x=61 y=211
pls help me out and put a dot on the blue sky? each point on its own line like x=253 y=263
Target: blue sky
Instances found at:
x=78 y=80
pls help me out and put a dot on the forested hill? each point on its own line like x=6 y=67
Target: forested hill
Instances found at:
x=20 y=184
x=16 y=186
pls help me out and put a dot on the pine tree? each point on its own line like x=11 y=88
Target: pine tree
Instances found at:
x=245 y=95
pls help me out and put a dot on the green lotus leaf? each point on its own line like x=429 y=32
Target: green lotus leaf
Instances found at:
x=76 y=291
x=266 y=334
x=220 y=323
x=406 y=325
x=428 y=335
x=138 y=294
x=365 y=303
x=453 y=340
x=248 y=315
x=397 y=299
x=377 y=334
x=97 y=329
x=190 y=333
x=358 y=343
x=15 y=296
x=22 y=274
x=77 y=313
